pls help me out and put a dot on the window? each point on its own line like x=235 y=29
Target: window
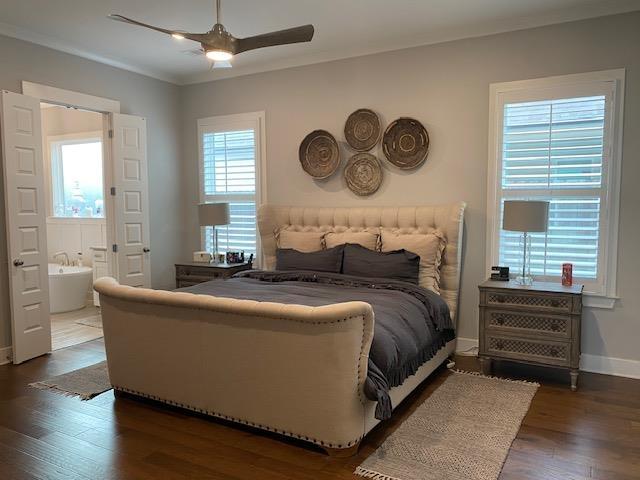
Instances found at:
x=231 y=157
x=76 y=176
x=558 y=139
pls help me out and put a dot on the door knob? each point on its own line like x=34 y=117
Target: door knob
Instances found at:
x=146 y=250
x=18 y=262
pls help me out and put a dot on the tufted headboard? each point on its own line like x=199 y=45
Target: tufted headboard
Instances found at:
x=445 y=218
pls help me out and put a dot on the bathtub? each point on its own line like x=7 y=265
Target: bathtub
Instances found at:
x=68 y=287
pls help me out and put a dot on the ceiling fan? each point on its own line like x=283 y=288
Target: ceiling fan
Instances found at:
x=220 y=46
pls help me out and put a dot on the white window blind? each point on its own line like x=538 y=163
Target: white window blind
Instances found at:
x=229 y=173
x=553 y=150
x=229 y=162
x=558 y=139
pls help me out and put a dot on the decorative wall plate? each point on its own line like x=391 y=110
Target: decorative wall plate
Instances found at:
x=363 y=174
x=319 y=154
x=405 y=143
x=362 y=129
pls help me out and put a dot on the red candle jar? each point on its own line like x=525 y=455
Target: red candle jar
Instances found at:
x=567 y=274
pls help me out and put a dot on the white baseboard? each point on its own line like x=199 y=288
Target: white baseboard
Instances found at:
x=6 y=355
x=619 y=367
x=465 y=344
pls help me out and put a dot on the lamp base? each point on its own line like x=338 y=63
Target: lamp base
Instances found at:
x=526 y=280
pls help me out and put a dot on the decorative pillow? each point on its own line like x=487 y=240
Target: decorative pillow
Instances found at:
x=301 y=241
x=397 y=265
x=428 y=246
x=322 y=261
x=366 y=239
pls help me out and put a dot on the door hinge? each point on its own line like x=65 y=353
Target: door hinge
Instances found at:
x=113 y=191
x=114 y=248
x=110 y=133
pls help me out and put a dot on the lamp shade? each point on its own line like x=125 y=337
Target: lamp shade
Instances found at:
x=525 y=216
x=210 y=214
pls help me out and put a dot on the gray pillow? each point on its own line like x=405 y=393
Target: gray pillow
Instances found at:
x=397 y=265
x=329 y=260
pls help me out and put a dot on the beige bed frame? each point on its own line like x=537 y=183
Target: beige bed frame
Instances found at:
x=290 y=369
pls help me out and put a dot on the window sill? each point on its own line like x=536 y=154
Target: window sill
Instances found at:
x=595 y=300
x=74 y=219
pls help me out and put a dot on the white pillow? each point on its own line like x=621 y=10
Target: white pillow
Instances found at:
x=366 y=239
x=428 y=245
x=301 y=241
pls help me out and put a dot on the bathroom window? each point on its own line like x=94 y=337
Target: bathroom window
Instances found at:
x=76 y=176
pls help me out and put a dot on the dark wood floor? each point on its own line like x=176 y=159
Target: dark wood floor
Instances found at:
x=591 y=434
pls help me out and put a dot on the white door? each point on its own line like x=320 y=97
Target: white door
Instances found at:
x=26 y=225
x=131 y=212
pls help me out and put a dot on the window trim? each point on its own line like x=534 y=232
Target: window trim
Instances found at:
x=249 y=120
x=78 y=137
x=556 y=87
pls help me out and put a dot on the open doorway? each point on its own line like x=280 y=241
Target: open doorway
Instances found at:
x=76 y=223
x=29 y=192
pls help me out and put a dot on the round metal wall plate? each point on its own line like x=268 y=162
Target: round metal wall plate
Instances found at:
x=363 y=174
x=362 y=129
x=319 y=154
x=406 y=143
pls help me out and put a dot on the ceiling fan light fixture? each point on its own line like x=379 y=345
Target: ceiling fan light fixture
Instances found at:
x=219 y=55
x=220 y=46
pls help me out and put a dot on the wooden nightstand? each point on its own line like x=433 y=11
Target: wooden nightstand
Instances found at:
x=192 y=273
x=538 y=324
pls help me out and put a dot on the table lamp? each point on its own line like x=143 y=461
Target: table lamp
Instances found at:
x=526 y=217
x=212 y=215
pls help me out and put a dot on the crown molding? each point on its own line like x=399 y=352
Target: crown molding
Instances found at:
x=66 y=47
x=497 y=26
x=477 y=31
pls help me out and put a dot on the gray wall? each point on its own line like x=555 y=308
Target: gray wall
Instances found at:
x=140 y=95
x=446 y=86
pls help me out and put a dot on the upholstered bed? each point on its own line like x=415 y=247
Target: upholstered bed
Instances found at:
x=289 y=368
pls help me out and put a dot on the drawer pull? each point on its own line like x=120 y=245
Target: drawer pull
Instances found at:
x=500 y=321
x=500 y=299
x=555 y=327
x=499 y=345
x=553 y=352
x=555 y=303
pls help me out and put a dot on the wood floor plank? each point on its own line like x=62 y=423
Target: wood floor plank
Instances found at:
x=591 y=434
x=53 y=455
x=12 y=459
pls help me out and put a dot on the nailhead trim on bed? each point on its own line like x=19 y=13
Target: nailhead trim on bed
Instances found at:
x=360 y=372
x=238 y=420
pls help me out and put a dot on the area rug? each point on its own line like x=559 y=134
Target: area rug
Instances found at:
x=463 y=431
x=85 y=383
x=95 y=321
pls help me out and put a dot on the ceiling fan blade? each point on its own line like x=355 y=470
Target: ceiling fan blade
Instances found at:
x=281 y=37
x=196 y=37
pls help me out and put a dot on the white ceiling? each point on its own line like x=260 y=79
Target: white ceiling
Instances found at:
x=344 y=28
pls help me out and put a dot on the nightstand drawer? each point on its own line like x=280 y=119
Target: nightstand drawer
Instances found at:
x=532 y=301
x=542 y=351
x=515 y=321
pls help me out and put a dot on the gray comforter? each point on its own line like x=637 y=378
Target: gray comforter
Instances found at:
x=411 y=323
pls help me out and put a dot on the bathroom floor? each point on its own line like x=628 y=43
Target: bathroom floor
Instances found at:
x=79 y=326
